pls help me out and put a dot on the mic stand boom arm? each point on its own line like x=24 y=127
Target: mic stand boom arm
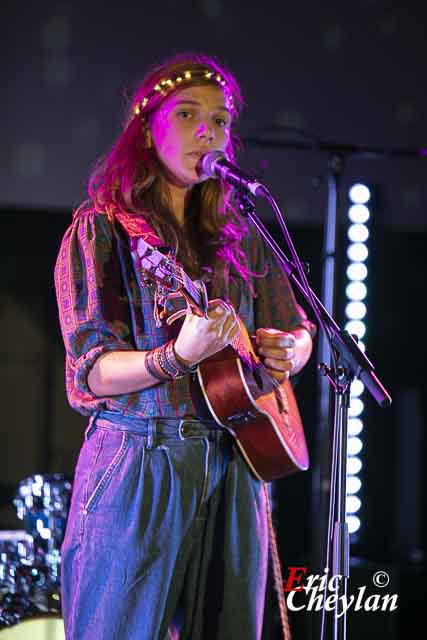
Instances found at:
x=343 y=343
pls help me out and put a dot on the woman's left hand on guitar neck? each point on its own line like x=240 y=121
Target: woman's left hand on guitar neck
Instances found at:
x=284 y=353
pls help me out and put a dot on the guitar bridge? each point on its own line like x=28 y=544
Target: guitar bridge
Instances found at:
x=241 y=418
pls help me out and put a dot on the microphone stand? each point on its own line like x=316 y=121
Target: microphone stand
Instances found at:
x=348 y=362
x=326 y=461
x=324 y=472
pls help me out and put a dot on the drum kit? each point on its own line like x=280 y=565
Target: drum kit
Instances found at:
x=30 y=560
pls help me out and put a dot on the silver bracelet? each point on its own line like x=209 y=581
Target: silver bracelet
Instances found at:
x=153 y=367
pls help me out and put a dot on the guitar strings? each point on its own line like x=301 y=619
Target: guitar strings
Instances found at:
x=167 y=271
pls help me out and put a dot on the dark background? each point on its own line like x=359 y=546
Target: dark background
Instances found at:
x=349 y=73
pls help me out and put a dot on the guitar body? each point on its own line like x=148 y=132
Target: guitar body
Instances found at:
x=238 y=390
x=263 y=418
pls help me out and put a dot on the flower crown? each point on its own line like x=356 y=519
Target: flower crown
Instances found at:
x=167 y=85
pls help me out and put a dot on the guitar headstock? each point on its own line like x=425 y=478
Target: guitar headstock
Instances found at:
x=169 y=276
x=155 y=265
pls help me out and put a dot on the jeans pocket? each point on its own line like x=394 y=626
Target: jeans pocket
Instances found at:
x=110 y=449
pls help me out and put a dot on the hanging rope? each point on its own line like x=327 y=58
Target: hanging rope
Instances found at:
x=277 y=569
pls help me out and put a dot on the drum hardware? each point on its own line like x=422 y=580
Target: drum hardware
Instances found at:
x=30 y=560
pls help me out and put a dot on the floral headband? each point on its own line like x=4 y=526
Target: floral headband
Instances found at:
x=167 y=85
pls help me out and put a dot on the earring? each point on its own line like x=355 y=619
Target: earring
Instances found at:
x=148 y=143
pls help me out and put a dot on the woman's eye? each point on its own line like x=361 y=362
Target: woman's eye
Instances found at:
x=184 y=115
x=221 y=122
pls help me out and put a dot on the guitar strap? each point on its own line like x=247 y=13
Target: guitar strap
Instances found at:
x=136 y=226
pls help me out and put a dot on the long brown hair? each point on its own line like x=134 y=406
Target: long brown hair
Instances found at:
x=128 y=179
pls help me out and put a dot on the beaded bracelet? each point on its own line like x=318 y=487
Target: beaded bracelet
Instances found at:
x=168 y=367
x=163 y=363
x=153 y=367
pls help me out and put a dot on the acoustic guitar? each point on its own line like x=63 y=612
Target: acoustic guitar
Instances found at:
x=261 y=413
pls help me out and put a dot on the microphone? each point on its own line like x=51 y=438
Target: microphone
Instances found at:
x=215 y=165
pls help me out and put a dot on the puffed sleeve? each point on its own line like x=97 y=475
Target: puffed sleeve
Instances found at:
x=93 y=307
x=275 y=305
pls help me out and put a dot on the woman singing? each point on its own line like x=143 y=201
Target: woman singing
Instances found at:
x=167 y=530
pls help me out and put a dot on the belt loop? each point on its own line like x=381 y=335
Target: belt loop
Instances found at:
x=91 y=425
x=151 y=428
x=180 y=432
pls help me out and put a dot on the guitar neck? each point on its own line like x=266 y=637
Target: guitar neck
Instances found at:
x=171 y=276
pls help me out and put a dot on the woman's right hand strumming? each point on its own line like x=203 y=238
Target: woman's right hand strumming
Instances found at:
x=201 y=337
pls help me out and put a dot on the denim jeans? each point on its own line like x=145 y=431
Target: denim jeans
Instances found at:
x=166 y=535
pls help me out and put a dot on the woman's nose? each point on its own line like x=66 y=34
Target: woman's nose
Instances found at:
x=205 y=131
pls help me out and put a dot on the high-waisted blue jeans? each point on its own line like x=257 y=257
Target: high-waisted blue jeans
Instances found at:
x=166 y=535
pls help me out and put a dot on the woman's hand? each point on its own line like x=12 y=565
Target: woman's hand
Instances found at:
x=200 y=338
x=277 y=349
x=284 y=353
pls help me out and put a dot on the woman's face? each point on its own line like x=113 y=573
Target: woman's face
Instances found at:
x=188 y=124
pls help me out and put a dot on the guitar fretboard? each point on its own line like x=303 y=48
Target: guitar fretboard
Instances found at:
x=165 y=269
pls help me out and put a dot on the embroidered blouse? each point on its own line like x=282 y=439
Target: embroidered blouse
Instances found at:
x=104 y=305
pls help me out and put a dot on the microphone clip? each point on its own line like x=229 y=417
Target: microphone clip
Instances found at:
x=244 y=203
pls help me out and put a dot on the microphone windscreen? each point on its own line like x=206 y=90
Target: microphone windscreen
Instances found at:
x=206 y=165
